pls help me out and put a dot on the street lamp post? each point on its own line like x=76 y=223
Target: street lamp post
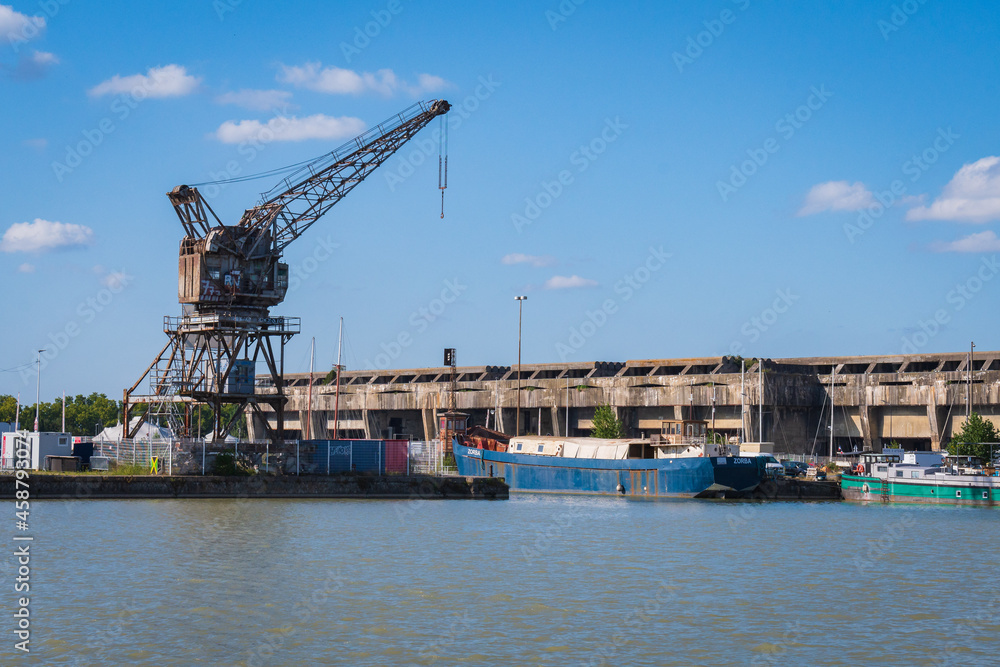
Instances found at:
x=517 y=420
x=968 y=385
x=38 y=385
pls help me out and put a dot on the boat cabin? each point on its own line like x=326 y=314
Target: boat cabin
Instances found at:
x=682 y=431
x=875 y=465
x=451 y=425
x=963 y=465
x=685 y=437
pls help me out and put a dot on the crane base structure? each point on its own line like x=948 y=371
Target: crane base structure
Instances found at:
x=231 y=275
x=211 y=360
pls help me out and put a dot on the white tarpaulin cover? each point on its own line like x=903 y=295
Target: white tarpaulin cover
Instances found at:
x=571 y=448
x=146 y=432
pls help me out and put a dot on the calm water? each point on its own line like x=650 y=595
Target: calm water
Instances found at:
x=535 y=580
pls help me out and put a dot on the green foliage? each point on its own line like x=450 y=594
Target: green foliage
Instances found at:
x=715 y=438
x=974 y=438
x=87 y=415
x=606 y=424
x=84 y=414
x=748 y=363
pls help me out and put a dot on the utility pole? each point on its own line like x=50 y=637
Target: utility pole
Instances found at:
x=517 y=421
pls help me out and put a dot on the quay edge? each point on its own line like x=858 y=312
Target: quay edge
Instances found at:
x=347 y=485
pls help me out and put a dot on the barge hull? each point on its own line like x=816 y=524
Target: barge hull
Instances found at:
x=864 y=489
x=696 y=477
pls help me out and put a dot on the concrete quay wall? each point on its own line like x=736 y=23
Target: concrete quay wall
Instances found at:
x=359 y=486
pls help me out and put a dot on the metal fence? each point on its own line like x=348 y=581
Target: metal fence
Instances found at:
x=139 y=452
x=302 y=457
x=428 y=457
x=381 y=457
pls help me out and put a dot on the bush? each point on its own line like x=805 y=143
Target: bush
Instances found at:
x=227 y=465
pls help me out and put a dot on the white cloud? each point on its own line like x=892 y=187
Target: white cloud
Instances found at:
x=44 y=58
x=256 y=100
x=836 y=196
x=291 y=128
x=26 y=268
x=116 y=280
x=339 y=81
x=562 y=282
x=428 y=83
x=42 y=235
x=167 y=81
x=534 y=260
x=972 y=195
x=31 y=66
x=982 y=242
x=17 y=26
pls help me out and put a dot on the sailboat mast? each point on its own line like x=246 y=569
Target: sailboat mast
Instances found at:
x=760 y=410
x=833 y=376
x=743 y=401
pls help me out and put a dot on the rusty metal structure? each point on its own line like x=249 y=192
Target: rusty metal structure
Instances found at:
x=230 y=276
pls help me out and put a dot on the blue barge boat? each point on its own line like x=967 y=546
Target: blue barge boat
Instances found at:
x=678 y=463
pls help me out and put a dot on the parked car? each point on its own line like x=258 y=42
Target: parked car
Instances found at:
x=794 y=468
x=771 y=466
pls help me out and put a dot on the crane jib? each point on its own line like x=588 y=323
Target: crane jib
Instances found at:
x=240 y=265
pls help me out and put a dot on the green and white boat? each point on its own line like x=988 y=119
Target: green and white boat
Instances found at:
x=912 y=478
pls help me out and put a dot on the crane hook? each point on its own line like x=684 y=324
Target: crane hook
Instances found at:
x=443 y=162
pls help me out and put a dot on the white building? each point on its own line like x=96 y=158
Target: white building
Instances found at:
x=40 y=445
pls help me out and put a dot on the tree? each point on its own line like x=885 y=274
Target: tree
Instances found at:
x=84 y=414
x=974 y=438
x=606 y=424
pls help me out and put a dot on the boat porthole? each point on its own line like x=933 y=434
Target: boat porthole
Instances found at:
x=864 y=488
x=986 y=495
x=958 y=494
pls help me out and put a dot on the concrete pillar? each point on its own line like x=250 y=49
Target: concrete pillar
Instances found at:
x=430 y=427
x=255 y=426
x=317 y=424
x=558 y=426
x=865 y=413
x=936 y=419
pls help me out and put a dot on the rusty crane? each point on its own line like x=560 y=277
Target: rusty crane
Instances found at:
x=230 y=276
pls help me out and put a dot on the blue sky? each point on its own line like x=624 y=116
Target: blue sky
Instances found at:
x=665 y=180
